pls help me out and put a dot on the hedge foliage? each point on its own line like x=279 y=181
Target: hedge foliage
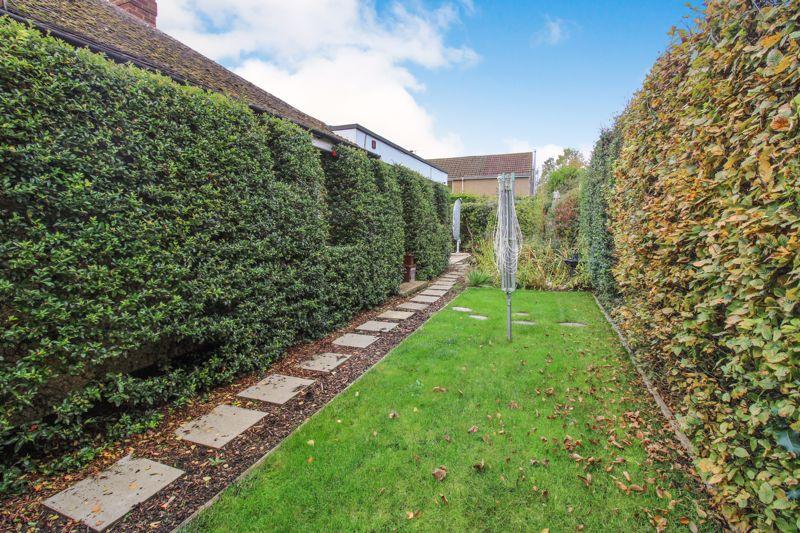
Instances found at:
x=429 y=242
x=157 y=240
x=705 y=221
x=595 y=241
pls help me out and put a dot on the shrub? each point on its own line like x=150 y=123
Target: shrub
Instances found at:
x=157 y=240
x=477 y=221
x=428 y=237
x=705 y=222
x=563 y=221
x=595 y=241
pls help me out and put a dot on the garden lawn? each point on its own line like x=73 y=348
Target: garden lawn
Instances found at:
x=553 y=430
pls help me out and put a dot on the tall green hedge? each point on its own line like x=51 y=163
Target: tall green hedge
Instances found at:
x=595 y=240
x=430 y=244
x=156 y=240
x=705 y=218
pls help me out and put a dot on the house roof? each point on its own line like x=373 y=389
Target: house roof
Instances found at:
x=103 y=27
x=371 y=133
x=486 y=166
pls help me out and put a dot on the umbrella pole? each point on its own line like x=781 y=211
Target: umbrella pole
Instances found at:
x=508 y=315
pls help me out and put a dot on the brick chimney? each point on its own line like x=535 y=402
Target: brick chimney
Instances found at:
x=143 y=9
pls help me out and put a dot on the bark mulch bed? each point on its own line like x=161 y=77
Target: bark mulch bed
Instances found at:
x=208 y=471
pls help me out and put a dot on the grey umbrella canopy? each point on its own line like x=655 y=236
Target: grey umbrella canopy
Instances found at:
x=507 y=240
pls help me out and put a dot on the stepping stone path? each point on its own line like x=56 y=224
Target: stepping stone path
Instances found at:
x=521 y=313
x=433 y=292
x=277 y=389
x=100 y=501
x=396 y=315
x=412 y=305
x=572 y=324
x=524 y=322
x=479 y=317
x=220 y=426
x=377 y=325
x=355 y=340
x=324 y=362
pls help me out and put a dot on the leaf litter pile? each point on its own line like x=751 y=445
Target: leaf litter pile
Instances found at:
x=459 y=430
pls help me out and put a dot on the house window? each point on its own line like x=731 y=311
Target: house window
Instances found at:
x=374 y=144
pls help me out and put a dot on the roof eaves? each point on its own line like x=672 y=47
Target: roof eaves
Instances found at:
x=385 y=140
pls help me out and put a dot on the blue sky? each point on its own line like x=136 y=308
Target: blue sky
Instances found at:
x=443 y=78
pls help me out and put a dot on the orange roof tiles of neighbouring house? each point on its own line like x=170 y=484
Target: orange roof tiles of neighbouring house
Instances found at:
x=486 y=166
x=104 y=27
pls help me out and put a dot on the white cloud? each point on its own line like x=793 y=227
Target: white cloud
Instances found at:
x=554 y=31
x=339 y=60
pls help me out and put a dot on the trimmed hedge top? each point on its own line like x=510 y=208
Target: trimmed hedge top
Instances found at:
x=156 y=240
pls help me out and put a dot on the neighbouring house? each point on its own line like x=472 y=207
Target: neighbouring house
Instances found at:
x=124 y=30
x=389 y=151
x=477 y=174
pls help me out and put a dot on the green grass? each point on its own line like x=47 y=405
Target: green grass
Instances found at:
x=365 y=470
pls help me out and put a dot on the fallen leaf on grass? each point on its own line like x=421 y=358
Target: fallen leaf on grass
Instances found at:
x=310 y=460
x=310 y=442
x=410 y=515
x=393 y=414
x=444 y=499
x=446 y=437
x=587 y=480
x=479 y=466
x=637 y=488
x=439 y=389
x=440 y=473
x=473 y=429
x=627 y=476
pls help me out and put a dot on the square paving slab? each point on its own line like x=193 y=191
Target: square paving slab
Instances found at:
x=276 y=389
x=433 y=292
x=324 y=362
x=396 y=315
x=441 y=286
x=413 y=306
x=100 y=501
x=355 y=340
x=220 y=426
x=425 y=299
x=377 y=325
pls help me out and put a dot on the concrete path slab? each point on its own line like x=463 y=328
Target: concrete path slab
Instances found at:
x=324 y=362
x=440 y=285
x=413 y=306
x=220 y=426
x=433 y=292
x=100 y=501
x=396 y=315
x=521 y=313
x=572 y=324
x=425 y=299
x=355 y=340
x=377 y=325
x=479 y=317
x=277 y=389
x=462 y=309
x=524 y=322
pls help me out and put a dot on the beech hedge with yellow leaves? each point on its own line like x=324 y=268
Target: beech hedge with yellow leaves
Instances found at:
x=705 y=219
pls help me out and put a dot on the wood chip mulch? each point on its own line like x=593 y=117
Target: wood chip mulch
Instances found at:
x=209 y=471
